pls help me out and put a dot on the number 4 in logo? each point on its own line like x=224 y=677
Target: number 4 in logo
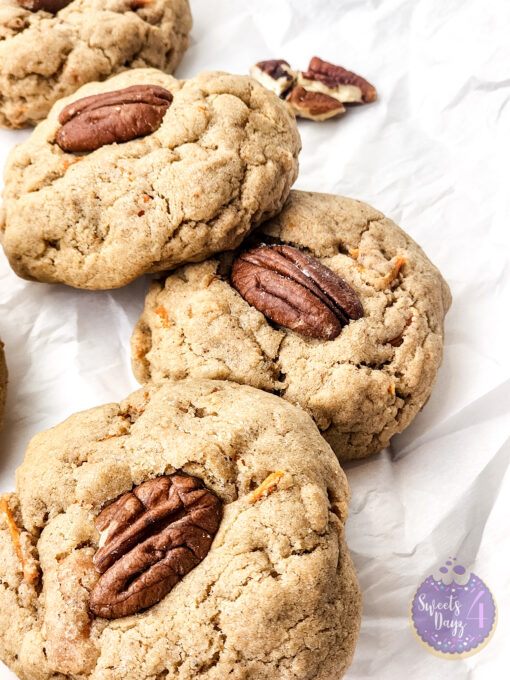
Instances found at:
x=480 y=617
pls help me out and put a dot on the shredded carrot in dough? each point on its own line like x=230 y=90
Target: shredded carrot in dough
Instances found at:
x=68 y=163
x=382 y=282
x=354 y=253
x=161 y=312
x=267 y=486
x=385 y=280
x=29 y=574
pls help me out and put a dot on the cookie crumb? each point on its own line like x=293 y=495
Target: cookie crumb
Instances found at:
x=399 y=339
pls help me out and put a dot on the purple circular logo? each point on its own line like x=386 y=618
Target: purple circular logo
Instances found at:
x=453 y=613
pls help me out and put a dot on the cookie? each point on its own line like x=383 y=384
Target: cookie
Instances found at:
x=198 y=164
x=3 y=383
x=371 y=365
x=47 y=55
x=252 y=580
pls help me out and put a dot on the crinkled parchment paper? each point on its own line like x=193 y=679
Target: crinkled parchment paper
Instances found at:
x=433 y=154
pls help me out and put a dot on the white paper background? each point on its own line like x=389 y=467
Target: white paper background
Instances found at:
x=433 y=154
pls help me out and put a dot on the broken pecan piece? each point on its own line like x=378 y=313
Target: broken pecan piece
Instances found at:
x=151 y=538
x=399 y=339
x=112 y=117
x=295 y=290
x=275 y=75
x=51 y=6
x=313 y=105
x=336 y=82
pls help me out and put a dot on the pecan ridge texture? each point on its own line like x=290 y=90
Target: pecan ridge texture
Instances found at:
x=51 y=6
x=332 y=76
x=112 y=117
x=295 y=290
x=313 y=105
x=151 y=537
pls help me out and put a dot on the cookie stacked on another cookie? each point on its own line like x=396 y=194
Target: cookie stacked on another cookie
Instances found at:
x=197 y=528
x=144 y=172
x=340 y=312
x=50 y=48
x=3 y=383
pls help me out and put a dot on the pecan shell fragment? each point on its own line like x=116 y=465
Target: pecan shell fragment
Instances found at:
x=112 y=117
x=295 y=290
x=150 y=539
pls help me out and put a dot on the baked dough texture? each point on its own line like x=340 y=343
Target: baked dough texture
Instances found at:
x=362 y=387
x=222 y=161
x=3 y=383
x=276 y=596
x=44 y=57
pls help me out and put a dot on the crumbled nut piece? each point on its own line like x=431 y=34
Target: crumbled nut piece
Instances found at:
x=268 y=486
x=313 y=105
x=399 y=339
x=28 y=566
x=336 y=82
x=275 y=75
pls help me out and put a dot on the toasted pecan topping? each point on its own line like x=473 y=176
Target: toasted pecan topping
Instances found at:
x=151 y=538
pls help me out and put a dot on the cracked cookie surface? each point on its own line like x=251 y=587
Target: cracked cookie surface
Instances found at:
x=362 y=387
x=44 y=56
x=276 y=595
x=3 y=383
x=223 y=160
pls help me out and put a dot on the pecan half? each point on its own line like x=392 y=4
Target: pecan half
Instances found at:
x=111 y=117
x=336 y=82
x=51 y=6
x=275 y=75
x=313 y=105
x=295 y=290
x=151 y=538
